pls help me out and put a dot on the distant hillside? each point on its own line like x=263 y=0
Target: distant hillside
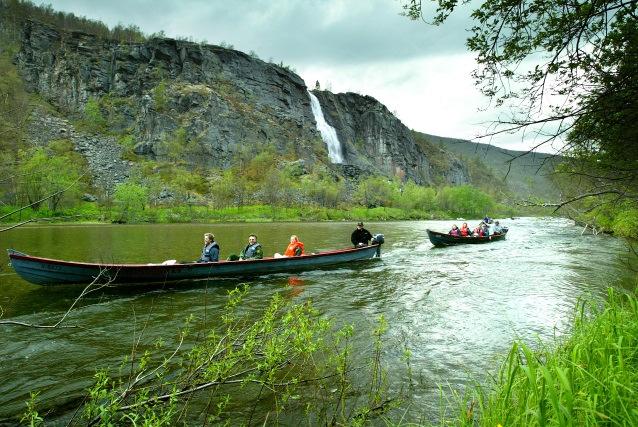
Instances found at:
x=526 y=174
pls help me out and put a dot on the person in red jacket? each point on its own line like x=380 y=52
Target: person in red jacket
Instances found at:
x=465 y=230
x=295 y=248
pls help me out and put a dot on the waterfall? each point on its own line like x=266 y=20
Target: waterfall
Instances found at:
x=328 y=133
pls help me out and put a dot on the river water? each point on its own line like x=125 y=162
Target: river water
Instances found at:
x=456 y=309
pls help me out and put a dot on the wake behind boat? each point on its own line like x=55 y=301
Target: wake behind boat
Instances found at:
x=445 y=239
x=45 y=271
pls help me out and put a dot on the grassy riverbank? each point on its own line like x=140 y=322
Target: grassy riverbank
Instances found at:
x=91 y=212
x=590 y=379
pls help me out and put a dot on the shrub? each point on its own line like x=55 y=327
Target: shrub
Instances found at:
x=131 y=201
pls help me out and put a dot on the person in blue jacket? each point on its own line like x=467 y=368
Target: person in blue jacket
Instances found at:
x=210 y=251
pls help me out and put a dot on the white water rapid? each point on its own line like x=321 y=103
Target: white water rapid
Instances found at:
x=328 y=133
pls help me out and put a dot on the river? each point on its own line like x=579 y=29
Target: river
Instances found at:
x=456 y=309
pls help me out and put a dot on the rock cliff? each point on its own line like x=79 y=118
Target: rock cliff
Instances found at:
x=224 y=102
x=373 y=138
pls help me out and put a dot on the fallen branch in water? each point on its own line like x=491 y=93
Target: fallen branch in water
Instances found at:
x=87 y=290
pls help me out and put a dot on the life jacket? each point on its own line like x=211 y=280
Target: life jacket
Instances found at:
x=465 y=231
x=292 y=249
x=206 y=253
x=249 y=250
x=454 y=232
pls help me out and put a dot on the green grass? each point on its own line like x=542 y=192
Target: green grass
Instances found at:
x=92 y=212
x=590 y=379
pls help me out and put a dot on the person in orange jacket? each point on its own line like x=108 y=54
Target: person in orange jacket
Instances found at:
x=295 y=248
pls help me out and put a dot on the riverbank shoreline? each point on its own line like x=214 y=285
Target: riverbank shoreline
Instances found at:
x=587 y=378
x=243 y=214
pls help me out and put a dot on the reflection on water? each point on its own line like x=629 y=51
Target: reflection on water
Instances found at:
x=457 y=309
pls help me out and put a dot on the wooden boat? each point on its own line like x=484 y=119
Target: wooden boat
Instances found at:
x=45 y=271
x=444 y=239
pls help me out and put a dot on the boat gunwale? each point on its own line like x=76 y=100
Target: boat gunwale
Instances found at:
x=13 y=254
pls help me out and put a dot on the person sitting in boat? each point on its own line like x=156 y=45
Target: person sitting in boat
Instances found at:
x=465 y=230
x=486 y=229
x=295 y=248
x=252 y=250
x=210 y=252
x=455 y=231
x=478 y=231
x=360 y=236
x=497 y=228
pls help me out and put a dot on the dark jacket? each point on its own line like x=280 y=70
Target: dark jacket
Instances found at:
x=210 y=253
x=360 y=236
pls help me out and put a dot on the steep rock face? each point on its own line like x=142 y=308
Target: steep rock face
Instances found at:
x=224 y=101
x=373 y=138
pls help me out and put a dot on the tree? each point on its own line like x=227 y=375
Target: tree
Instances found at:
x=42 y=173
x=466 y=201
x=414 y=196
x=131 y=200
x=568 y=70
x=375 y=191
x=186 y=184
x=230 y=189
x=323 y=190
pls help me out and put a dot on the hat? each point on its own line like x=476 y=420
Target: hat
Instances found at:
x=360 y=223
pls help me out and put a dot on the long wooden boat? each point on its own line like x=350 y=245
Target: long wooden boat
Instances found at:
x=444 y=239
x=45 y=271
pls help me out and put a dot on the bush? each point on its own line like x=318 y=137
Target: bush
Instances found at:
x=465 y=200
x=626 y=223
x=131 y=201
x=160 y=97
x=93 y=120
x=375 y=191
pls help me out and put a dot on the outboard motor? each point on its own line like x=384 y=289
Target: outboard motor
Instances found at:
x=378 y=239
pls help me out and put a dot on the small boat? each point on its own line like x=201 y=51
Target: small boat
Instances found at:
x=45 y=271
x=444 y=239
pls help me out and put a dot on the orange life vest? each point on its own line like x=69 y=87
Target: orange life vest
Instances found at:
x=292 y=248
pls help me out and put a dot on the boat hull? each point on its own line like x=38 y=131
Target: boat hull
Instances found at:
x=443 y=239
x=48 y=272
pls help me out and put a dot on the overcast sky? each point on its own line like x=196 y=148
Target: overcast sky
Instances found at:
x=420 y=72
